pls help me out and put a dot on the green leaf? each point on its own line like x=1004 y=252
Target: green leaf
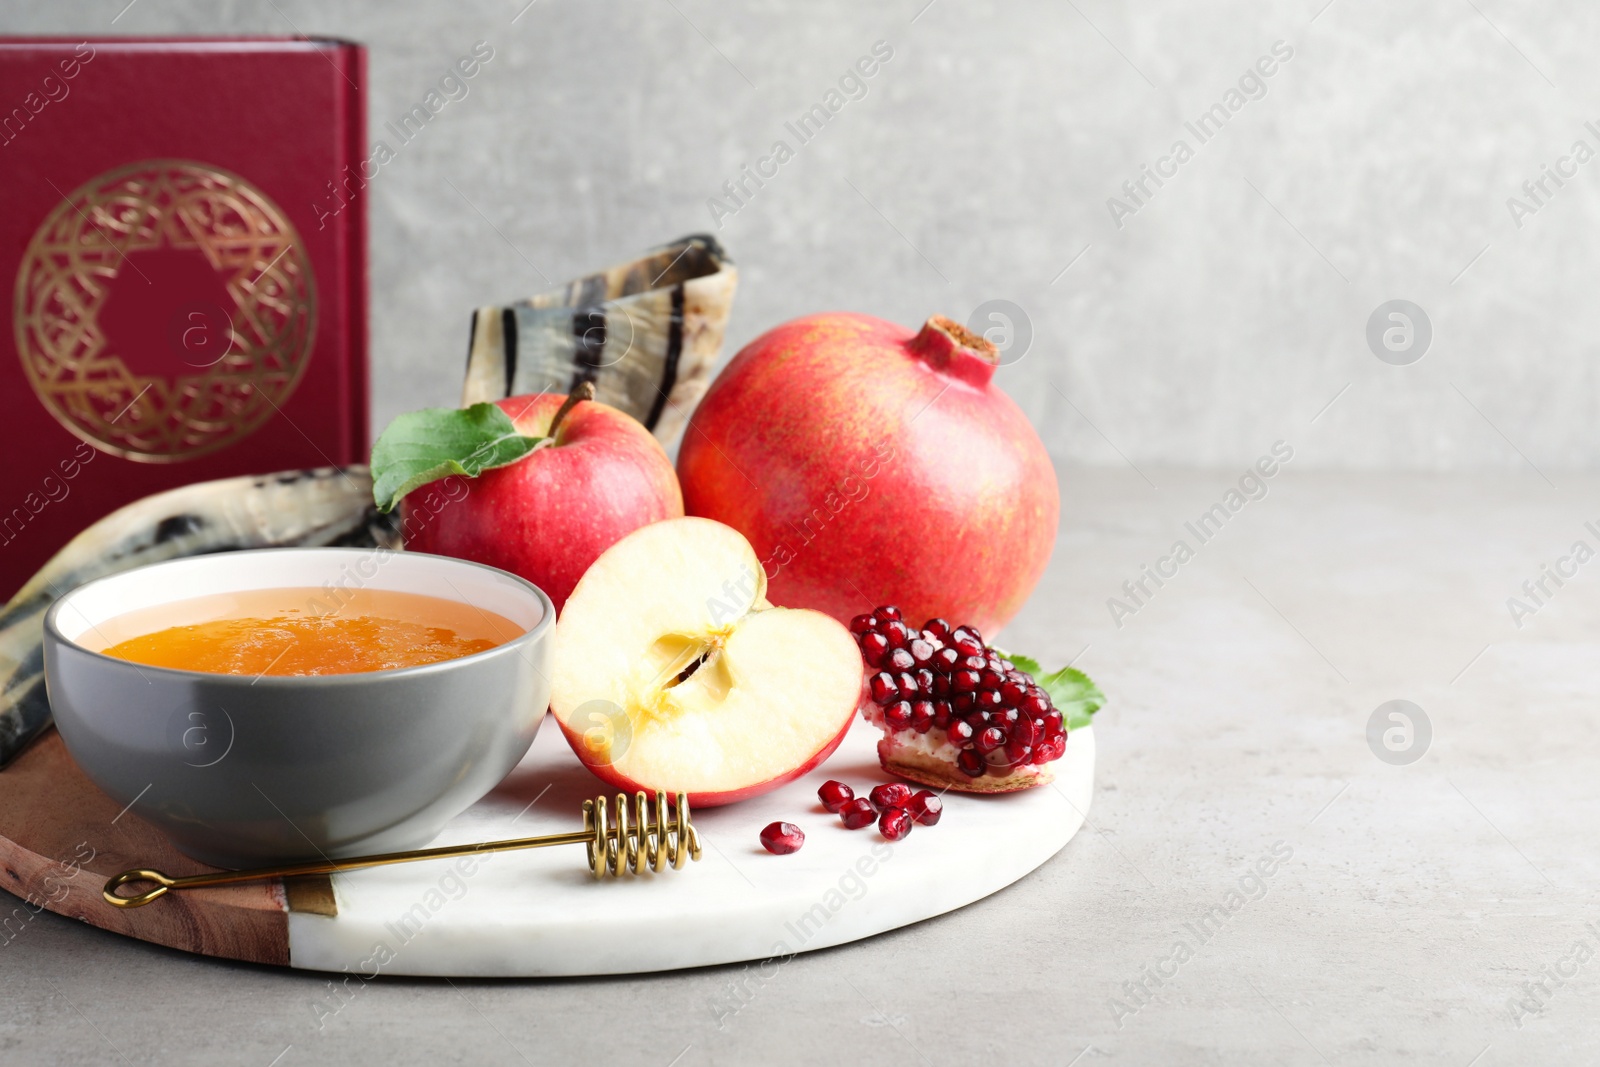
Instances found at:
x=1024 y=663
x=423 y=446
x=1070 y=690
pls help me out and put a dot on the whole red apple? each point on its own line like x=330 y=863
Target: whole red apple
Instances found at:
x=871 y=465
x=549 y=515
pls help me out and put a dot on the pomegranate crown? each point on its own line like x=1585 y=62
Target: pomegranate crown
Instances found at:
x=948 y=346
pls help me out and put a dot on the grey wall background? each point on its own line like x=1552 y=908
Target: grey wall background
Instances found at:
x=1227 y=312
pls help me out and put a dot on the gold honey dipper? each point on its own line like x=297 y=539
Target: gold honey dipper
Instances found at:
x=612 y=846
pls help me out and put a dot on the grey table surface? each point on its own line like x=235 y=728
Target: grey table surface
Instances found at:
x=1436 y=911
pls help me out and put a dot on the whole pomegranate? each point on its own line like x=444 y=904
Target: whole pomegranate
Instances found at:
x=869 y=465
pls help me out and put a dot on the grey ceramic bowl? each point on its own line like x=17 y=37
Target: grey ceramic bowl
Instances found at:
x=243 y=771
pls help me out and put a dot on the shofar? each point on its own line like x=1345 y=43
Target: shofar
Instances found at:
x=328 y=506
x=646 y=333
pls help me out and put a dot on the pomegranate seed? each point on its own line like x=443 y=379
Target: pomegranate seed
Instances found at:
x=946 y=659
x=1005 y=718
x=782 y=838
x=873 y=647
x=858 y=813
x=941 y=714
x=974 y=663
x=921 y=651
x=941 y=685
x=938 y=627
x=1050 y=750
x=887 y=613
x=1017 y=751
x=922 y=716
x=890 y=795
x=960 y=732
x=964 y=681
x=925 y=681
x=1012 y=693
x=980 y=721
x=883 y=689
x=987 y=699
x=1023 y=732
x=835 y=795
x=1053 y=723
x=991 y=679
x=989 y=739
x=925 y=808
x=970 y=763
x=907 y=683
x=1035 y=703
x=898 y=633
x=897 y=716
x=899 y=659
x=966 y=644
x=894 y=824
x=862 y=624
x=961 y=703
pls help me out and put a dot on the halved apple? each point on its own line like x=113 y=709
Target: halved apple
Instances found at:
x=673 y=672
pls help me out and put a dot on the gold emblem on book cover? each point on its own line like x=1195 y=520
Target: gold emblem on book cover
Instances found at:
x=197 y=359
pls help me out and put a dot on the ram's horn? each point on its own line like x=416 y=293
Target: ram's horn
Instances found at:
x=646 y=333
x=328 y=506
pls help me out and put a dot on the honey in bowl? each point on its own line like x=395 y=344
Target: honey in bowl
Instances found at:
x=303 y=631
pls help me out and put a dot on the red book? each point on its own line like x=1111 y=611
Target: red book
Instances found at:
x=184 y=237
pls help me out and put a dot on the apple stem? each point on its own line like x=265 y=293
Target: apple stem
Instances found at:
x=581 y=391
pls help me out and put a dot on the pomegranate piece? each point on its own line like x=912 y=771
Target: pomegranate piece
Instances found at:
x=925 y=808
x=890 y=795
x=858 y=813
x=782 y=838
x=991 y=727
x=835 y=795
x=894 y=824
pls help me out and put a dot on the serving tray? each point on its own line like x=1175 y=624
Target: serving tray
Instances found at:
x=541 y=913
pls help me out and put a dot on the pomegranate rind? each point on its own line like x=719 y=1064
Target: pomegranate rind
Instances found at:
x=938 y=774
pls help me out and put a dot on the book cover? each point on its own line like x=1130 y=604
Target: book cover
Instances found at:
x=185 y=242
